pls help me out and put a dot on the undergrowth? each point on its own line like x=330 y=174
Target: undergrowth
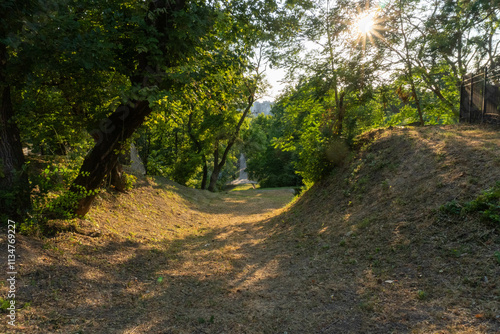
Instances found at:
x=487 y=204
x=52 y=198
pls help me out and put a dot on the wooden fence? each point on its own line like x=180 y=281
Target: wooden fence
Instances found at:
x=480 y=98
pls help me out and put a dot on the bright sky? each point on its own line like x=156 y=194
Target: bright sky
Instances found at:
x=274 y=76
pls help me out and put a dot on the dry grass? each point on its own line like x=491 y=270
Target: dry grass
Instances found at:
x=365 y=251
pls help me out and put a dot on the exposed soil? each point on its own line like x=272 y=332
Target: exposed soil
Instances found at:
x=364 y=251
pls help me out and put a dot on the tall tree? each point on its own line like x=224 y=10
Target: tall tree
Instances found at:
x=14 y=185
x=170 y=31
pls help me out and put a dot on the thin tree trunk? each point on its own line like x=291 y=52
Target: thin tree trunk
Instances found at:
x=218 y=166
x=212 y=186
x=435 y=88
x=199 y=150
x=103 y=158
x=341 y=114
x=415 y=95
x=410 y=67
x=205 y=174
x=14 y=184
x=214 y=178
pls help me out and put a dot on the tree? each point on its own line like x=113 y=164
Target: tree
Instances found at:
x=172 y=31
x=248 y=90
x=271 y=166
x=14 y=185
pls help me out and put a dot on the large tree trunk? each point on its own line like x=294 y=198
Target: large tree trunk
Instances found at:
x=104 y=156
x=116 y=178
x=117 y=175
x=14 y=184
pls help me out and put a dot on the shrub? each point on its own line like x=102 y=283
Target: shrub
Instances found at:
x=487 y=204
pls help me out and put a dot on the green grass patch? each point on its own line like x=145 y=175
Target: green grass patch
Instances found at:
x=243 y=187
x=487 y=204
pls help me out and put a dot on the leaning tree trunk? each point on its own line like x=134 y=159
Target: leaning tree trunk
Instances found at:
x=116 y=177
x=104 y=156
x=14 y=184
x=219 y=165
x=212 y=186
x=120 y=126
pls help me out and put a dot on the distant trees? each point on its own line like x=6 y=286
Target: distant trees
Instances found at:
x=266 y=163
x=262 y=107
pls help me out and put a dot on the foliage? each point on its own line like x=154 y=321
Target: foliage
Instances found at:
x=4 y=304
x=272 y=166
x=487 y=204
x=129 y=181
x=497 y=257
x=308 y=132
x=406 y=69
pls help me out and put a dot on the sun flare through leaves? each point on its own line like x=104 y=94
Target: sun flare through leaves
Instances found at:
x=365 y=23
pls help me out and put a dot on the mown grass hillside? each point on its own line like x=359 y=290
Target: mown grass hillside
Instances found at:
x=391 y=234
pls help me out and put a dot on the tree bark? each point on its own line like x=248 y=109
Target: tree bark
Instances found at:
x=14 y=185
x=117 y=179
x=212 y=186
x=214 y=178
x=114 y=131
x=410 y=67
x=117 y=175
x=199 y=150
x=340 y=116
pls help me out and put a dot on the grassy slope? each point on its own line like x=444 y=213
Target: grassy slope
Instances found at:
x=364 y=251
x=407 y=266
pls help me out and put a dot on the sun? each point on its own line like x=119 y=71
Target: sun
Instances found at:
x=365 y=24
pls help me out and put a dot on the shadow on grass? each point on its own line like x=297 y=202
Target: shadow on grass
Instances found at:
x=370 y=256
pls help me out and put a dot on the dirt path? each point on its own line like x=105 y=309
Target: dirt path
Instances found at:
x=213 y=274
